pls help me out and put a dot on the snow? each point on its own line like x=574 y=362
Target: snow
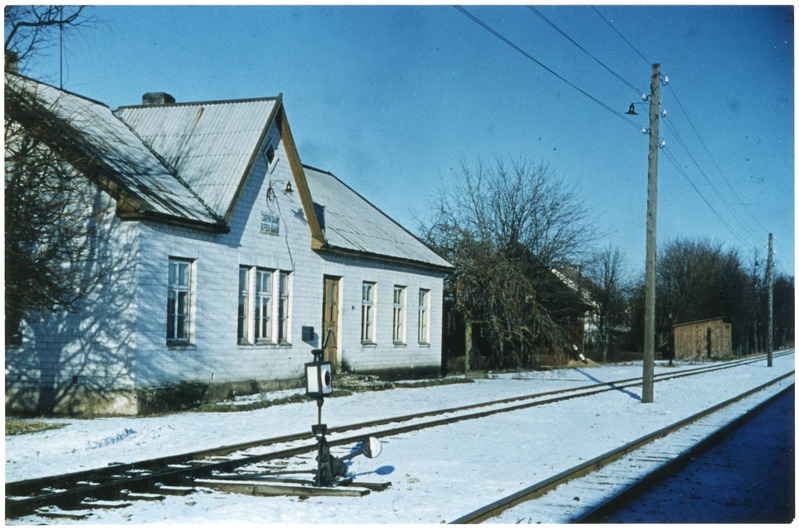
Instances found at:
x=436 y=475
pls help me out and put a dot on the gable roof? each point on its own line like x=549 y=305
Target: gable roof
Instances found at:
x=211 y=145
x=353 y=225
x=96 y=143
x=187 y=163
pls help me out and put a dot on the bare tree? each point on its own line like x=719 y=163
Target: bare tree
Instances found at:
x=48 y=233
x=608 y=291
x=504 y=228
x=698 y=279
x=31 y=29
x=57 y=219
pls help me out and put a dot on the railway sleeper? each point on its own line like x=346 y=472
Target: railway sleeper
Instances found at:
x=56 y=513
x=175 y=490
x=143 y=496
x=350 y=482
x=90 y=503
x=278 y=488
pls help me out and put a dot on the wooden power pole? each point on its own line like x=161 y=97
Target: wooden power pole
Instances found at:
x=647 y=391
x=770 y=280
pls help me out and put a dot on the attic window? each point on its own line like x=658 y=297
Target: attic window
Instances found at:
x=269 y=153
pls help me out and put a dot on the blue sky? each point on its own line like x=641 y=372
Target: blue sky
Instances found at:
x=391 y=99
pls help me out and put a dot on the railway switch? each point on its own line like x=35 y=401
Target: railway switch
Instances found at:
x=318 y=385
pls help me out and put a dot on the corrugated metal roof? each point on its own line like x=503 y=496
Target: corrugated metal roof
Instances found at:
x=187 y=161
x=100 y=143
x=209 y=144
x=351 y=223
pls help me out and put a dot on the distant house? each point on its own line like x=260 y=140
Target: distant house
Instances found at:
x=708 y=338
x=232 y=260
x=576 y=305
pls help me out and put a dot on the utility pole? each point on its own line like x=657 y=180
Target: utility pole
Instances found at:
x=647 y=391
x=770 y=280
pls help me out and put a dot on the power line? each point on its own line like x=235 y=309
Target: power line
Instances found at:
x=622 y=36
x=670 y=156
x=707 y=179
x=542 y=65
x=671 y=127
x=726 y=180
x=603 y=65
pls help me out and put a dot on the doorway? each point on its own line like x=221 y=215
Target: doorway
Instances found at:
x=330 y=315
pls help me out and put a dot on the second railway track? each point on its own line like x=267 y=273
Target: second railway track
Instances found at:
x=578 y=493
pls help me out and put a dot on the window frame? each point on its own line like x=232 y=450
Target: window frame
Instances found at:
x=368 y=302
x=423 y=328
x=268 y=314
x=243 y=322
x=177 y=287
x=398 y=316
x=263 y=321
x=284 y=307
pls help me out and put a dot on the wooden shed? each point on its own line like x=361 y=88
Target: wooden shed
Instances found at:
x=708 y=338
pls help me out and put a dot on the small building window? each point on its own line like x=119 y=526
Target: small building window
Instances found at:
x=424 y=316
x=398 y=328
x=368 y=293
x=283 y=308
x=263 y=305
x=178 y=305
x=244 y=302
x=269 y=153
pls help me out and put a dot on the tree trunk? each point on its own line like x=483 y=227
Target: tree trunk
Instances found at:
x=467 y=349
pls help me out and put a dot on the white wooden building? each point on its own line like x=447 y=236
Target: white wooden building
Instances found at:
x=232 y=260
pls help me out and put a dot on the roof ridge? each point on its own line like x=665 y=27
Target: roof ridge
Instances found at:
x=320 y=170
x=207 y=102
x=75 y=94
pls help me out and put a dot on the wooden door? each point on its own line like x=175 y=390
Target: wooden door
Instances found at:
x=330 y=321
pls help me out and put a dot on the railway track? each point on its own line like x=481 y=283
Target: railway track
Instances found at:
x=118 y=484
x=582 y=493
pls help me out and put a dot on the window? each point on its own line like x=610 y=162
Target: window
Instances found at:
x=368 y=312
x=263 y=305
x=398 y=329
x=269 y=153
x=178 y=304
x=244 y=302
x=258 y=305
x=424 y=315
x=283 y=308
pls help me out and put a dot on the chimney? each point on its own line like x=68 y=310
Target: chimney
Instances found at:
x=157 y=98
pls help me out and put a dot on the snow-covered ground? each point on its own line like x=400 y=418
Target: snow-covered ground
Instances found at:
x=437 y=474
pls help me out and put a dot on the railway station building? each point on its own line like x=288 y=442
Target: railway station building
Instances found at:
x=221 y=261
